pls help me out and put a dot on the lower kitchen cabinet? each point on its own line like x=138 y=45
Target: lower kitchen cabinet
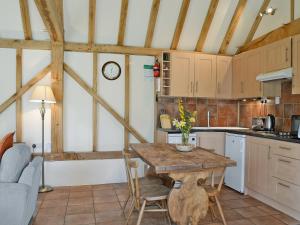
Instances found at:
x=258 y=161
x=272 y=170
x=213 y=141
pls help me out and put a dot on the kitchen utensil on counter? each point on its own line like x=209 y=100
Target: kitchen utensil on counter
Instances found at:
x=269 y=123
x=258 y=123
x=295 y=125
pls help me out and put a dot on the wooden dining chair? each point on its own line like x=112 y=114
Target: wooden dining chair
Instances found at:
x=131 y=164
x=149 y=196
x=213 y=194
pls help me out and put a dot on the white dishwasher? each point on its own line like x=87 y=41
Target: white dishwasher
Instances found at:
x=235 y=149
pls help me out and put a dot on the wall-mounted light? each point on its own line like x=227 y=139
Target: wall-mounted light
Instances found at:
x=269 y=11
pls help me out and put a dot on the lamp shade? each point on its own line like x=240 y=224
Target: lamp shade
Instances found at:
x=42 y=93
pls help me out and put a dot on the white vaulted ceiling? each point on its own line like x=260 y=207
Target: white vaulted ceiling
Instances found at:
x=76 y=14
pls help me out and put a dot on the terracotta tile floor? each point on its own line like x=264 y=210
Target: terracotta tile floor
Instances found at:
x=101 y=205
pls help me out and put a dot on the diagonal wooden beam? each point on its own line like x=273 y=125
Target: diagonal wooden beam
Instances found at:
x=102 y=102
x=92 y=16
x=25 y=19
x=51 y=19
x=122 y=23
x=152 y=23
x=40 y=75
x=287 y=30
x=232 y=26
x=256 y=23
x=60 y=11
x=180 y=22
x=206 y=25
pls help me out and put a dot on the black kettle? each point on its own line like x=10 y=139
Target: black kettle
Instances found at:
x=269 y=123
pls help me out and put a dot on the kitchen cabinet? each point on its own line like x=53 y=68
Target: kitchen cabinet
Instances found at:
x=239 y=73
x=205 y=76
x=224 y=77
x=277 y=55
x=246 y=67
x=296 y=65
x=254 y=66
x=212 y=140
x=196 y=75
x=182 y=74
x=258 y=164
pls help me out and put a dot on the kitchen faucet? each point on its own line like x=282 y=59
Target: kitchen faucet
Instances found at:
x=208 y=118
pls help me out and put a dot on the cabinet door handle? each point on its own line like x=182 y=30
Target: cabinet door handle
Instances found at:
x=285 y=161
x=283 y=185
x=196 y=86
x=191 y=87
x=269 y=153
x=242 y=87
x=286 y=54
x=285 y=148
x=219 y=89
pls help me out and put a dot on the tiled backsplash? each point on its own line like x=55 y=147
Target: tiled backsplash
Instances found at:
x=225 y=112
x=222 y=112
x=289 y=105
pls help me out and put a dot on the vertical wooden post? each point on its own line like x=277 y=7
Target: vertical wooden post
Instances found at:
x=292 y=8
x=19 y=134
x=95 y=111
x=57 y=87
x=127 y=101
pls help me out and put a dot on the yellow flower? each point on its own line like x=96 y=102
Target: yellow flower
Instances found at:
x=192 y=120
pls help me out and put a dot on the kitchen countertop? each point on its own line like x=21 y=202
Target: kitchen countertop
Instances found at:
x=242 y=131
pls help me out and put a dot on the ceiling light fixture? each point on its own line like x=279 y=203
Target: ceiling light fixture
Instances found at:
x=269 y=11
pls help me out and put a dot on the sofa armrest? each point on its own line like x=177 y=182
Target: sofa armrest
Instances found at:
x=13 y=201
x=32 y=173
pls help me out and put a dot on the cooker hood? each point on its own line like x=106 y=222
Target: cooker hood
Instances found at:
x=276 y=75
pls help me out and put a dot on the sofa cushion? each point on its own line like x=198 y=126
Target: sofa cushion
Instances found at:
x=13 y=162
x=6 y=143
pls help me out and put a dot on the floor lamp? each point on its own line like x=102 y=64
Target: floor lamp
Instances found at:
x=43 y=95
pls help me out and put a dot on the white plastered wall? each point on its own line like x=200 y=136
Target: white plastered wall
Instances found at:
x=78 y=113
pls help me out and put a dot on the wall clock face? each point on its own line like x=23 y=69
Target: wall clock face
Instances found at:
x=111 y=70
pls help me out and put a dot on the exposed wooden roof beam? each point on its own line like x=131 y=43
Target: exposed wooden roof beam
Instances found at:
x=122 y=23
x=292 y=8
x=256 y=22
x=25 y=19
x=152 y=22
x=92 y=16
x=180 y=22
x=80 y=47
x=206 y=25
x=282 y=32
x=232 y=26
x=51 y=19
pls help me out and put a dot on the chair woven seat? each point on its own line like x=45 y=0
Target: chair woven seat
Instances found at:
x=154 y=192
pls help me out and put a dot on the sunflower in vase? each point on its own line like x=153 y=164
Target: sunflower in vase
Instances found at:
x=184 y=124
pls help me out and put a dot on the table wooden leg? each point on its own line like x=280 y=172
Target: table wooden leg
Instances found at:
x=188 y=204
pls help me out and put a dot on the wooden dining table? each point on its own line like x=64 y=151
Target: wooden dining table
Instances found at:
x=188 y=200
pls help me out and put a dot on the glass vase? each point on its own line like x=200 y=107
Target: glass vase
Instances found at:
x=185 y=138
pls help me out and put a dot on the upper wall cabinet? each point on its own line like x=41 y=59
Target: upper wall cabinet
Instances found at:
x=196 y=75
x=296 y=65
x=277 y=55
x=205 y=76
x=182 y=74
x=239 y=74
x=224 y=77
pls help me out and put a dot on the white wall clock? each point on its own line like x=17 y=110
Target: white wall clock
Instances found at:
x=111 y=70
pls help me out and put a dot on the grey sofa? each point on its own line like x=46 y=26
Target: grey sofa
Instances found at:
x=19 y=184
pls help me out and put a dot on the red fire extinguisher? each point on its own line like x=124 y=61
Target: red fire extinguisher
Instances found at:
x=156 y=68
